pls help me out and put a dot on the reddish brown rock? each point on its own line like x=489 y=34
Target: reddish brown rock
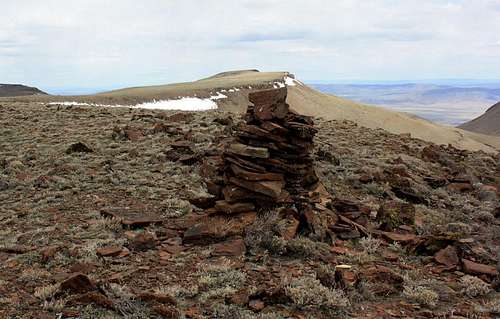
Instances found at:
x=256 y=305
x=252 y=176
x=214 y=230
x=246 y=150
x=157 y=297
x=168 y=312
x=109 y=251
x=181 y=145
x=269 y=104
x=402 y=238
x=474 y=268
x=447 y=256
x=143 y=242
x=272 y=189
x=78 y=148
x=228 y=208
x=78 y=283
x=84 y=268
x=49 y=252
x=235 y=248
x=131 y=217
x=16 y=249
x=383 y=280
x=203 y=201
x=460 y=187
x=240 y=298
x=180 y=117
x=233 y=193
x=93 y=297
x=345 y=277
x=127 y=133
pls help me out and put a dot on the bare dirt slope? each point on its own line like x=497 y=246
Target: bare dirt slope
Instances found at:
x=237 y=84
x=488 y=123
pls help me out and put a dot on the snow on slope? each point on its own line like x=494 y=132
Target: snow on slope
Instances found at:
x=181 y=104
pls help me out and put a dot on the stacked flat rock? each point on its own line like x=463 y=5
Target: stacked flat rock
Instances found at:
x=269 y=159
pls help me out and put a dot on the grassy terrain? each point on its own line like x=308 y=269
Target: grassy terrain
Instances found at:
x=51 y=223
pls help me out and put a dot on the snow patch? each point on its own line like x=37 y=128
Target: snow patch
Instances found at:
x=287 y=81
x=291 y=81
x=182 y=104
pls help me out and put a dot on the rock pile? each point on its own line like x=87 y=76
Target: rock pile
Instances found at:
x=269 y=160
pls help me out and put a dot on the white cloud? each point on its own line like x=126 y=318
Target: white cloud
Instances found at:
x=113 y=43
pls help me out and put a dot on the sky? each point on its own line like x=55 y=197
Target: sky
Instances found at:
x=80 y=44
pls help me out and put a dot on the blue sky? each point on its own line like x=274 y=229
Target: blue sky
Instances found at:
x=115 y=43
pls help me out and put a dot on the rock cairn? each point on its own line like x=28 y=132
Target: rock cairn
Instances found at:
x=268 y=165
x=269 y=161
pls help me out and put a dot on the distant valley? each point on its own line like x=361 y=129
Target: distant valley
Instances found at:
x=452 y=104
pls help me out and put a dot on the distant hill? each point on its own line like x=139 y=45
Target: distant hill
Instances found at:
x=10 y=90
x=445 y=104
x=488 y=123
x=229 y=90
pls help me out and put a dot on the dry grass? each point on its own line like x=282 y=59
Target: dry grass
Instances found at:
x=307 y=292
x=219 y=280
x=474 y=286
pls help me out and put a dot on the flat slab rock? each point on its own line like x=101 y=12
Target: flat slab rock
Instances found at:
x=132 y=217
x=269 y=188
x=474 y=268
x=249 y=151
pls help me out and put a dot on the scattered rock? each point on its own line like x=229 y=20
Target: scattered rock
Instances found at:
x=78 y=148
x=127 y=133
x=109 y=251
x=393 y=214
x=16 y=249
x=384 y=280
x=496 y=212
x=488 y=193
x=49 y=252
x=256 y=305
x=460 y=187
x=400 y=238
x=143 y=242
x=235 y=248
x=180 y=117
x=225 y=207
x=240 y=298
x=78 y=283
x=168 y=312
x=245 y=150
x=84 y=268
x=447 y=256
x=436 y=182
x=3 y=185
x=345 y=277
x=93 y=297
x=474 y=268
x=202 y=201
x=132 y=217
x=161 y=298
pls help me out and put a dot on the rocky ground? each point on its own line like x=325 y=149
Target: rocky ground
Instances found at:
x=95 y=204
